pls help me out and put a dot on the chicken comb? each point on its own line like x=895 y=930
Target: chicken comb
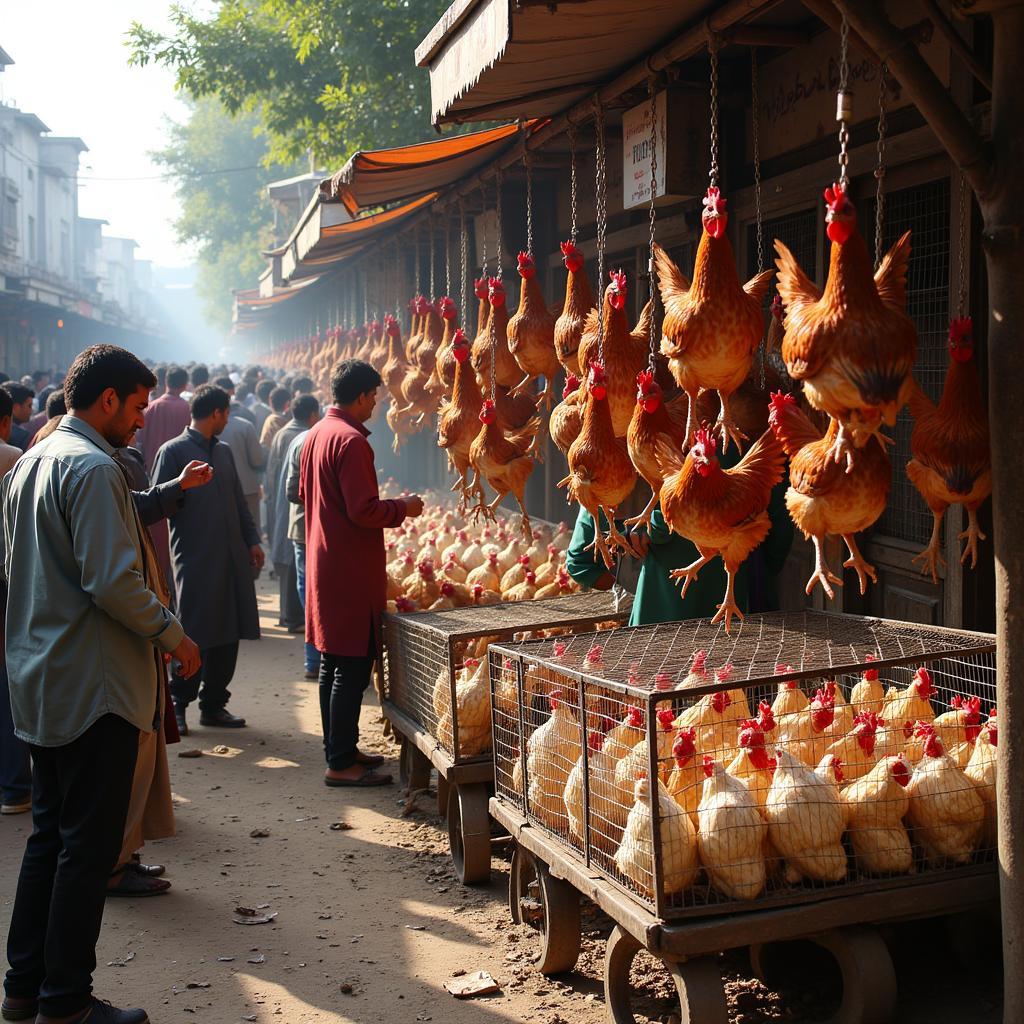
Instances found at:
x=823 y=698
x=480 y=287
x=723 y=673
x=558 y=648
x=447 y=308
x=923 y=679
x=459 y=338
x=778 y=310
x=644 y=379
x=837 y=769
x=524 y=559
x=751 y=733
x=835 y=197
x=666 y=718
x=426 y=568
x=699 y=662
x=870 y=674
x=569 y=248
x=708 y=764
x=685 y=745
x=595 y=654
x=704 y=438
x=487 y=411
x=634 y=718
x=403 y=604
x=555 y=698
x=447 y=588
x=900 y=769
x=595 y=740
x=780 y=403
x=961 y=330
x=531 y=577
x=868 y=719
x=572 y=383
x=663 y=681
x=478 y=589
x=720 y=701
x=714 y=202
x=765 y=716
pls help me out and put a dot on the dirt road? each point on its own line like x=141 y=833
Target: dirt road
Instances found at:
x=370 y=921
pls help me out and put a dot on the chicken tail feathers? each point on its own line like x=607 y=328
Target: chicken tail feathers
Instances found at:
x=891 y=276
x=671 y=281
x=670 y=457
x=790 y=424
x=643 y=325
x=757 y=286
x=920 y=404
x=766 y=460
x=796 y=289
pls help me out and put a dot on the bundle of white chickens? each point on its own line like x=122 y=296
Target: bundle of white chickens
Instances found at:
x=814 y=789
x=443 y=561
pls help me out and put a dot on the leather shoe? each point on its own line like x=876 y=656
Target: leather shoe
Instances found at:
x=99 y=1011
x=221 y=719
x=19 y=1009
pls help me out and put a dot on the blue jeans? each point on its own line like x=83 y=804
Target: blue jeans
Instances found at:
x=15 y=765
x=312 y=654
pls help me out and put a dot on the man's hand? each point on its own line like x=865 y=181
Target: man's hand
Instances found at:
x=256 y=556
x=195 y=474
x=186 y=654
x=640 y=543
x=413 y=506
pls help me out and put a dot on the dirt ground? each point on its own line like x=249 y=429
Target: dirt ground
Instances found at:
x=370 y=920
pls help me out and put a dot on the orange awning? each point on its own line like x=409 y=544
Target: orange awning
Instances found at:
x=380 y=176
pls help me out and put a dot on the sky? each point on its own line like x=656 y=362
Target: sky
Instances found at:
x=71 y=70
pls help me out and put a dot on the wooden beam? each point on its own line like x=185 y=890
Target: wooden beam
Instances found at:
x=932 y=98
x=958 y=44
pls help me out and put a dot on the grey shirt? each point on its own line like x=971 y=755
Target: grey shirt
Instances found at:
x=250 y=458
x=83 y=627
x=292 y=474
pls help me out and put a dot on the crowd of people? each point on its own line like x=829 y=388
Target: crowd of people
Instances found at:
x=137 y=503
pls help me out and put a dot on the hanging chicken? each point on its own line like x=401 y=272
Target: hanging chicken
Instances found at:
x=566 y=419
x=459 y=420
x=579 y=300
x=723 y=511
x=653 y=418
x=502 y=460
x=952 y=462
x=853 y=345
x=713 y=325
x=822 y=499
x=531 y=333
x=495 y=339
x=625 y=352
x=601 y=475
x=444 y=364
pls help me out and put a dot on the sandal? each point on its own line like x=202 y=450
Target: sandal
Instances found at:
x=368 y=778
x=133 y=884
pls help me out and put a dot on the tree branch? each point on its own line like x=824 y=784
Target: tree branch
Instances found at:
x=946 y=119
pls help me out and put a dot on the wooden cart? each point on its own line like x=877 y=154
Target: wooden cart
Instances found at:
x=553 y=863
x=418 y=648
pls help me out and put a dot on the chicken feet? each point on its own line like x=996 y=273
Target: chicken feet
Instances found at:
x=930 y=557
x=689 y=572
x=602 y=545
x=857 y=562
x=822 y=573
x=972 y=535
x=644 y=519
x=728 y=608
x=726 y=428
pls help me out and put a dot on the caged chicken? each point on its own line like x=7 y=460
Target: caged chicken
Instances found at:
x=960 y=727
x=806 y=820
x=502 y=460
x=635 y=856
x=531 y=333
x=853 y=345
x=579 y=300
x=902 y=708
x=952 y=463
x=753 y=765
x=625 y=353
x=473 y=714
x=790 y=699
x=723 y=511
x=823 y=499
x=875 y=807
x=553 y=750
x=856 y=750
x=981 y=770
x=713 y=324
x=637 y=760
x=601 y=475
x=946 y=812
x=685 y=782
x=805 y=735
x=868 y=694
x=653 y=418
x=607 y=811
x=731 y=835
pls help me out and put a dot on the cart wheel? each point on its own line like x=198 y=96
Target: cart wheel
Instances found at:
x=522 y=871
x=469 y=833
x=442 y=794
x=552 y=906
x=413 y=767
x=619 y=954
x=868 y=976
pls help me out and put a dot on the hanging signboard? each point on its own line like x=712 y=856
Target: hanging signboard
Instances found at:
x=681 y=140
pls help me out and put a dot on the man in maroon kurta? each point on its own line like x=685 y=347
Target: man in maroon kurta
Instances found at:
x=346 y=568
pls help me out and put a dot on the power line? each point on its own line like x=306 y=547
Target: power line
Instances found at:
x=169 y=174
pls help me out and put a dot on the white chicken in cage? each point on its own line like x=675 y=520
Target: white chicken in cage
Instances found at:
x=875 y=807
x=607 y=811
x=981 y=770
x=553 y=750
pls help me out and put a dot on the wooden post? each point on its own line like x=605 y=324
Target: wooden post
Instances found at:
x=994 y=172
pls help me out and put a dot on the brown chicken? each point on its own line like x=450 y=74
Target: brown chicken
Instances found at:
x=444 y=365
x=600 y=473
x=566 y=419
x=952 y=462
x=723 y=511
x=822 y=499
x=513 y=411
x=853 y=346
x=653 y=418
x=480 y=290
x=395 y=365
x=531 y=333
x=713 y=325
x=459 y=422
x=502 y=461
x=418 y=320
x=626 y=352
x=495 y=339
x=579 y=300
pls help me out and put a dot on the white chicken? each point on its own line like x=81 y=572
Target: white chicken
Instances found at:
x=554 y=749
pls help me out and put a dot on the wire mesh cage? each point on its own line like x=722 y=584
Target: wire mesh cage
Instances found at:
x=436 y=661
x=803 y=756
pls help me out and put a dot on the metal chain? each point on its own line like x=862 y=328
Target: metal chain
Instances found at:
x=755 y=103
x=528 y=164
x=490 y=322
x=651 y=291
x=572 y=182
x=880 y=166
x=601 y=195
x=463 y=267
x=497 y=213
x=448 y=256
x=961 y=271
x=417 y=286
x=713 y=55
x=430 y=240
x=844 y=100
x=483 y=233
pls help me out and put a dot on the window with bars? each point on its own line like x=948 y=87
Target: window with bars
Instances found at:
x=797 y=231
x=924 y=209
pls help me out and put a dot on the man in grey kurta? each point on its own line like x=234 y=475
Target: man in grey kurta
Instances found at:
x=86 y=636
x=282 y=554
x=214 y=548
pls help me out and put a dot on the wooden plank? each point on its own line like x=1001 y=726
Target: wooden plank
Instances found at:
x=468 y=772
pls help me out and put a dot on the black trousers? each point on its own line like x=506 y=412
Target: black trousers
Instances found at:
x=217 y=671
x=343 y=681
x=80 y=796
x=292 y=616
